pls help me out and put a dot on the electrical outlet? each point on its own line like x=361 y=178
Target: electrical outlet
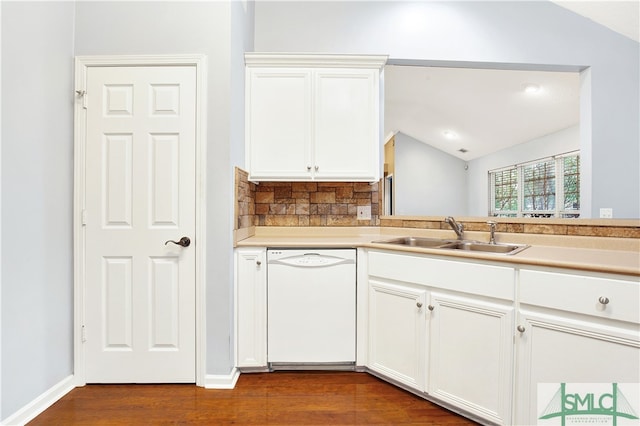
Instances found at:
x=606 y=213
x=364 y=212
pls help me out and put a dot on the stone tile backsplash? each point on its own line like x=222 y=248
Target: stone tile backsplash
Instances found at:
x=335 y=204
x=577 y=229
x=304 y=203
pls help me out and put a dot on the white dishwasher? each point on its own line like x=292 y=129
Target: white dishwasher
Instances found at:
x=311 y=308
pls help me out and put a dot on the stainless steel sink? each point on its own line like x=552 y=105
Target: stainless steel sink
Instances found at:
x=417 y=242
x=466 y=245
x=500 y=248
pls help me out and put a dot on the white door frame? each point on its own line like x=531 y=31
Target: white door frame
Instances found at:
x=82 y=64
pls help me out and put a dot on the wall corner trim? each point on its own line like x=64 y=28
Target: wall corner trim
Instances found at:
x=222 y=381
x=41 y=403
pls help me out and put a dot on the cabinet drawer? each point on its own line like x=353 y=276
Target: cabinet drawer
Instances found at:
x=582 y=294
x=468 y=277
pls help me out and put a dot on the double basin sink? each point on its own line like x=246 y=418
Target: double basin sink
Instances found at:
x=463 y=245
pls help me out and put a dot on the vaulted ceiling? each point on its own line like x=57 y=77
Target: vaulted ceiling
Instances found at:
x=620 y=16
x=483 y=111
x=478 y=110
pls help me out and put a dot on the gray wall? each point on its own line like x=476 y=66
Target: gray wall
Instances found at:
x=37 y=187
x=39 y=41
x=566 y=140
x=428 y=182
x=217 y=29
x=37 y=158
x=242 y=39
x=536 y=32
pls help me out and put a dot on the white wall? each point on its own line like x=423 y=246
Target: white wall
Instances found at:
x=538 y=32
x=428 y=182
x=566 y=140
x=37 y=186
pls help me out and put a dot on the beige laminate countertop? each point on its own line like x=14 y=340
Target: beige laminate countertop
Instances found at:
x=594 y=254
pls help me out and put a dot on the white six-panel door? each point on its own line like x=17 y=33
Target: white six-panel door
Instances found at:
x=139 y=305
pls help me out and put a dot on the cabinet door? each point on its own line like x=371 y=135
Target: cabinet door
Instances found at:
x=347 y=129
x=278 y=123
x=251 y=308
x=555 y=348
x=470 y=358
x=397 y=332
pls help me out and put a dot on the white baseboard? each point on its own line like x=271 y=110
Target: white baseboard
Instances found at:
x=222 y=381
x=41 y=403
x=57 y=391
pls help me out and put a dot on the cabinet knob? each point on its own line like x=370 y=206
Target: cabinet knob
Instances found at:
x=308 y=168
x=431 y=307
x=603 y=300
x=317 y=168
x=521 y=328
x=419 y=304
x=258 y=262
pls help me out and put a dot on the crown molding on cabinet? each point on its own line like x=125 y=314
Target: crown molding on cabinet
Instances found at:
x=287 y=60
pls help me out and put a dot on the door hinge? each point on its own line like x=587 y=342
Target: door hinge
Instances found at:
x=82 y=94
x=83 y=334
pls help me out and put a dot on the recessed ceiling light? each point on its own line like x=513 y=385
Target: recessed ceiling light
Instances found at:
x=450 y=134
x=531 y=88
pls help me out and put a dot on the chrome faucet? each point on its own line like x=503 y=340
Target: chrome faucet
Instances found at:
x=457 y=227
x=492 y=230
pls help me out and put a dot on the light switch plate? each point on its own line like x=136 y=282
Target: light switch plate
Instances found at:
x=364 y=212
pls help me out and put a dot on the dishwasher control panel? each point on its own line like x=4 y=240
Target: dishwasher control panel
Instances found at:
x=312 y=257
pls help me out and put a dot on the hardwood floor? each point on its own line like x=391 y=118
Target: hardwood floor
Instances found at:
x=281 y=398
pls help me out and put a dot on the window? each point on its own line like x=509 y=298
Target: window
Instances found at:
x=549 y=187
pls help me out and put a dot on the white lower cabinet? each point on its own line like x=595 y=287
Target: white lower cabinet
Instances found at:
x=578 y=330
x=470 y=354
x=397 y=332
x=444 y=327
x=251 y=308
x=455 y=332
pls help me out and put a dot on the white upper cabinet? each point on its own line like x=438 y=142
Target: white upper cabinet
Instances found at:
x=313 y=117
x=278 y=120
x=346 y=131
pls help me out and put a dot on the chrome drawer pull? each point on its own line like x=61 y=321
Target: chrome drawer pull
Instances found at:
x=603 y=300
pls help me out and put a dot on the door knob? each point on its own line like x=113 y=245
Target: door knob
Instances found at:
x=184 y=242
